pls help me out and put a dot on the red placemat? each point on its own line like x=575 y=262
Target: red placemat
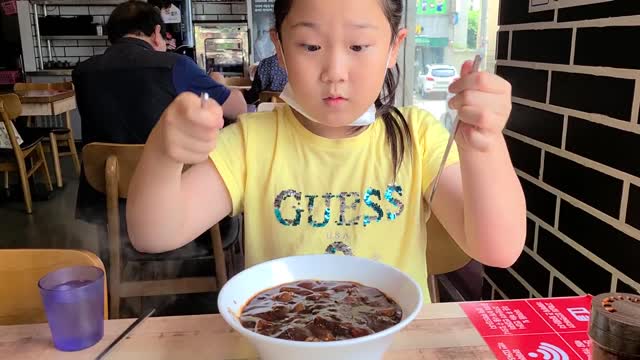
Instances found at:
x=535 y=329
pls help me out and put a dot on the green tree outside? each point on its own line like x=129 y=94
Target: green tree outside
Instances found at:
x=472 y=31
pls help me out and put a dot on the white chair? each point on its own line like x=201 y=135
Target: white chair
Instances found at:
x=269 y=106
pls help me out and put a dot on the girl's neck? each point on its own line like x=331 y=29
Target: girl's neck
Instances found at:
x=328 y=132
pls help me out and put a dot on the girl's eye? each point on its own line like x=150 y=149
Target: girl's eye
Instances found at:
x=359 y=48
x=311 y=48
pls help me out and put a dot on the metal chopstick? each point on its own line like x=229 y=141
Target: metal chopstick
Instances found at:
x=125 y=334
x=456 y=124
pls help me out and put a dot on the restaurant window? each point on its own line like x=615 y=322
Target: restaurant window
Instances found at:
x=443 y=34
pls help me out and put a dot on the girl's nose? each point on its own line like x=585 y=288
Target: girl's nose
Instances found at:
x=335 y=67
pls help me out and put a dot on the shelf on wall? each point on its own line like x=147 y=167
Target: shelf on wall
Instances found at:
x=73 y=37
x=77 y=2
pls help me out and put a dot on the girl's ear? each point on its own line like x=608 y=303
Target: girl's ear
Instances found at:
x=275 y=39
x=395 y=47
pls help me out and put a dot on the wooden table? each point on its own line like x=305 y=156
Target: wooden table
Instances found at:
x=239 y=87
x=47 y=102
x=441 y=331
x=50 y=103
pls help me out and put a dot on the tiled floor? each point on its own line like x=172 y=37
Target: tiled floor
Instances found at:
x=52 y=224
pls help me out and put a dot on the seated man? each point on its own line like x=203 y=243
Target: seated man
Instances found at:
x=269 y=77
x=122 y=93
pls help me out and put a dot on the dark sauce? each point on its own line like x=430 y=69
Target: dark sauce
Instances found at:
x=312 y=310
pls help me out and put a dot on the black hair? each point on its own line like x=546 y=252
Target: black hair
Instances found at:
x=134 y=17
x=397 y=129
x=160 y=4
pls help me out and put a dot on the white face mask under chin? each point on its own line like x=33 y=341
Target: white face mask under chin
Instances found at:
x=288 y=96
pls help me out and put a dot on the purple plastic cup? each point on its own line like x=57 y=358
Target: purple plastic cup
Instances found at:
x=73 y=300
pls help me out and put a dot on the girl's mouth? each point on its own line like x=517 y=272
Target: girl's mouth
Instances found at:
x=334 y=100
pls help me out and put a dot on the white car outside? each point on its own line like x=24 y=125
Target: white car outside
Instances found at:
x=436 y=79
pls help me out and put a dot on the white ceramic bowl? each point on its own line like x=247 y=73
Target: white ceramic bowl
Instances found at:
x=244 y=286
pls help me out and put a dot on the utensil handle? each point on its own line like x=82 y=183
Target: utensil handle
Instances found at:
x=456 y=124
x=204 y=97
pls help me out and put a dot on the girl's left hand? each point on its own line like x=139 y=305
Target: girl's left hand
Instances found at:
x=483 y=102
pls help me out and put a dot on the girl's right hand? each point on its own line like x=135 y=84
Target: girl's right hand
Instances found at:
x=187 y=131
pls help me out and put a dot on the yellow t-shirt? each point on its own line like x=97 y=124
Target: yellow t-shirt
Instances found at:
x=304 y=194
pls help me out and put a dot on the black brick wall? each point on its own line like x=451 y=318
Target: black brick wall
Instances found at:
x=572 y=136
x=593 y=94
x=561 y=289
x=549 y=46
x=537 y=124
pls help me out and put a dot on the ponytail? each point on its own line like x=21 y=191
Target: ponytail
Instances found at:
x=397 y=129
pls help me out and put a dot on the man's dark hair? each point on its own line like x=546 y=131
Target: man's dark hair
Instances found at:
x=160 y=4
x=134 y=18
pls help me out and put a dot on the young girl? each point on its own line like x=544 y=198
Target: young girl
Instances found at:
x=325 y=174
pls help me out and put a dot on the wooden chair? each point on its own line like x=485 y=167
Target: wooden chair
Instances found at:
x=270 y=96
x=443 y=255
x=64 y=134
x=15 y=158
x=109 y=168
x=20 y=271
x=56 y=135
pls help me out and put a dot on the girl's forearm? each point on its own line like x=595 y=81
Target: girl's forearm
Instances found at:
x=494 y=206
x=154 y=205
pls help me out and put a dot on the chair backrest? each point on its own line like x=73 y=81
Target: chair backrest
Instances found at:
x=268 y=106
x=10 y=109
x=20 y=271
x=116 y=162
x=10 y=106
x=108 y=169
x=443 y=253
x=270 y=96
